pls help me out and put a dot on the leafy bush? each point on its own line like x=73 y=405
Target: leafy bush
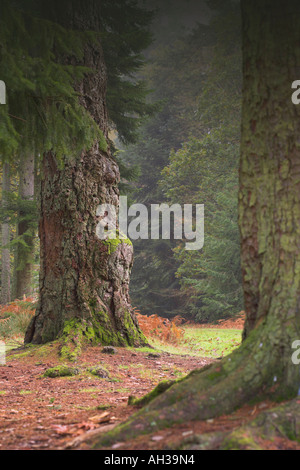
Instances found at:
x=160 y=328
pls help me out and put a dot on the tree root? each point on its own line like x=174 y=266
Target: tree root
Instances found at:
x=259 y=369
x=271 y=428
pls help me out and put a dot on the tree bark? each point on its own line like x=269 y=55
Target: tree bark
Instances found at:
x=269 y=206
x=25 y=255
x=269 y=214
x=84 y=282
x=5 y=257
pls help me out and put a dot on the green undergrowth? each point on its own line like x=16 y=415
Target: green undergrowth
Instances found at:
x=210 y=342
x=33 y=350
x=14 y=320
x=13 y=343
x=199 y=342
x=144 y=349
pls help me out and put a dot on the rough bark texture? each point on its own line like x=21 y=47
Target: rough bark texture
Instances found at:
x=270 y=169
x=25 y=255
x=269 y=214
x=5 y=256
x=84 y=282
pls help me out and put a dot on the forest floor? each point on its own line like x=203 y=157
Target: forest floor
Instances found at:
x=38 y=412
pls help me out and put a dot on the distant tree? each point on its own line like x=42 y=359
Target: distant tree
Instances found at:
x=26 y=229
x=5 y=238
x=176 y=73
x=195 y=135
x=205 y=170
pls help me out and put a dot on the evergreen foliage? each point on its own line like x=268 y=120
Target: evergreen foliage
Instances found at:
x=125 y=34
x=194 y=142
x=205 y=170
x=43 y=112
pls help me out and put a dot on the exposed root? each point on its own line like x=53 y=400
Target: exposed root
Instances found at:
x=158 y=390
x=274 y=427
x=254 y=371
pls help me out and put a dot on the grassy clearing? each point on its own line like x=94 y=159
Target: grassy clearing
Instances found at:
x=212 y=343
x=202 y=342
x=163 y=335
x=13 y=343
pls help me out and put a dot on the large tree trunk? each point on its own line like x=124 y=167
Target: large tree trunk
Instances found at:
x=5 y=256
x=269 y=206
x=84 y=282
x=269 y=215
x=25 y=254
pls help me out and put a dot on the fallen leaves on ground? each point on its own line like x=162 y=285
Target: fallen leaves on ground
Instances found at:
x=38 y=412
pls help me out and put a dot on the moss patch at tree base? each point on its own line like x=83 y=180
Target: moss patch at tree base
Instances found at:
x=81 y=333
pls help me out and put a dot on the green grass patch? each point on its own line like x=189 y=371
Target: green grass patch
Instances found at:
x=93 y=390
x=202 y=342
x=211 y=343
x=123 y=390
x=144 y=349
x=13 y=343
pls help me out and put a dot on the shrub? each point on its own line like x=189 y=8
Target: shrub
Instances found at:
x=15 y=317
x=160 y=328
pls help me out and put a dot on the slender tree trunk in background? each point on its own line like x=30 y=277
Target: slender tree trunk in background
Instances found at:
x=5 y=256
x=84 y=282
x=269 y=215
x=25 y=255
